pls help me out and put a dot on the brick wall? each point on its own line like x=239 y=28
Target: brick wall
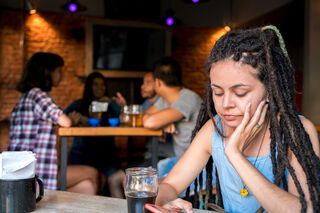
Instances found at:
x=11 y=58
x=191 y=47
x=52 y=32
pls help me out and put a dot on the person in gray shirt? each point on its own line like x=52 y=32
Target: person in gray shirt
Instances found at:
x=186 y=107
x=176 y=110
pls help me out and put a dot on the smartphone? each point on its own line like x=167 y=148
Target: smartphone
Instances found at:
x=159 y=209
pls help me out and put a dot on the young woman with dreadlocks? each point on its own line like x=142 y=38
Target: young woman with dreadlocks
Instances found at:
x=265 y=154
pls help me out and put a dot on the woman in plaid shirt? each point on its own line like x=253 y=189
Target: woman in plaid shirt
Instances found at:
x=32 y=123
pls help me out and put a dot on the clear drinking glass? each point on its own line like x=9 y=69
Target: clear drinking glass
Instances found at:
x=125 y=116
x=136 y=115
x=141 y=188
x=96 y=109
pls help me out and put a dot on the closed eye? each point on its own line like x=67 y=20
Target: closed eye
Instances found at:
x=241 y=95
x=218 y=94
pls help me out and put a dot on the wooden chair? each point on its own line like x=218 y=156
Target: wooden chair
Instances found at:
x=4 y=134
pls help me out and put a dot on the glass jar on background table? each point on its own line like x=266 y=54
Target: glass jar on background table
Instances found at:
x=93 y=113
x=141 y=188
x=96 y=109
x=125 y=116
x=136 y=115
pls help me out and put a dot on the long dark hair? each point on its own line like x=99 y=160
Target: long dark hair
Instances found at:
x=37 y=72
x=87 y=96
x=263 y=48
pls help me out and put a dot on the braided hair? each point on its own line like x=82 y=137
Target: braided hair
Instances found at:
x=263 y=48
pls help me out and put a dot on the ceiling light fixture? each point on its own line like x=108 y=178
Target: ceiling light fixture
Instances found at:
x=170 y=17
x=73 y=6
x=194 y=1
x=228 y=25
x=31 y=6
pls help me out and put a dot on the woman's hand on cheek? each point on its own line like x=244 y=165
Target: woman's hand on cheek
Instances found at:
x=247 y=129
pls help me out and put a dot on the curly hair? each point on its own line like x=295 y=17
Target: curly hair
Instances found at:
x=263 y=48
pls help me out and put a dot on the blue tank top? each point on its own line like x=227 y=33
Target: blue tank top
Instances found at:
x=230 y=181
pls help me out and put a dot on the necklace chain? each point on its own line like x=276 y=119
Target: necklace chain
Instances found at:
x=244 y=191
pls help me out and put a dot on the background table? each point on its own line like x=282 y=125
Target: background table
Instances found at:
x=59 y=201
x=65 y=132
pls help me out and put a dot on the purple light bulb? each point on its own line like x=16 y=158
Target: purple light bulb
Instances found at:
x=73 y=7
x=170 y=21
x=195 y=1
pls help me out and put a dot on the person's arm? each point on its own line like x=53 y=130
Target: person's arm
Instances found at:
x=119 y=99
x=115 y=108
x=74 y=106
x=186 y=169
x=278 y=200
x=156 y=119
x=73 y=112
x=45 y=109
x=64 y=120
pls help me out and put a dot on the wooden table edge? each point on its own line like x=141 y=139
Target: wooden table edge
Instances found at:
x=105 y=131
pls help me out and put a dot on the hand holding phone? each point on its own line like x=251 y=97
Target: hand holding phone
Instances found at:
x=159 y=209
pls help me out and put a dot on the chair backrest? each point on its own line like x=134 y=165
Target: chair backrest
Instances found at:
x=4 y=134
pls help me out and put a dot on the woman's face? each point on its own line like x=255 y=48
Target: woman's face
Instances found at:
x=234 y=85
x=56 y=76
x=98 y=88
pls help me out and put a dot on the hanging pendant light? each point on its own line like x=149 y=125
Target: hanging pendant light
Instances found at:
x=31 y=6
x=73 y=6
x=194 y=1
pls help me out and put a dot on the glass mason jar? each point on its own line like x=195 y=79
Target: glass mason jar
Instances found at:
x=125 y=116
x=93 y=113
x=136 y=115
x=141 y=187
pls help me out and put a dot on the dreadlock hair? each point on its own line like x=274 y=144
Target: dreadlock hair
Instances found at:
x=263 y=48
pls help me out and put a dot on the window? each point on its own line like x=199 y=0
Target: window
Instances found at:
x=121 y=49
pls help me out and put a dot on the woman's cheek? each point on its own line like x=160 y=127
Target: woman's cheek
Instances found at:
x=217 y=104
x=254 y=108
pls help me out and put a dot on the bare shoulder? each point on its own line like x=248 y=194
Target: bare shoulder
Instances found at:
x=311 y=130
x=307 y=124
x=209 y=124
x=207 y=128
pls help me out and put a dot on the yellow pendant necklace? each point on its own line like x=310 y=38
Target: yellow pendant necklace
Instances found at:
x=244 y=191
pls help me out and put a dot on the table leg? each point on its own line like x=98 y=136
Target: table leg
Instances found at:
x=63 y=163
x=154 y=159
x=130 y=148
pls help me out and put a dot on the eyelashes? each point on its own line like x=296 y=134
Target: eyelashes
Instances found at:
x=239 y=95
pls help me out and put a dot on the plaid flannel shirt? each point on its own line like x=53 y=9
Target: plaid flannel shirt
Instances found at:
x=32 y=128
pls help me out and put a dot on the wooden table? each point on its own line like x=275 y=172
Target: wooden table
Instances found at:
x=65 y=132
x=59 y=201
